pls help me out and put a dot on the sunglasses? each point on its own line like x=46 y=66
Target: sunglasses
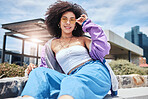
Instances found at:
x=65 y=19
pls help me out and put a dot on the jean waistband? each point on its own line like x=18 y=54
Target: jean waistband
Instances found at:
x=78 y=66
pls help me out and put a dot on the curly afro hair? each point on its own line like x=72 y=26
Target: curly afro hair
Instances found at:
x=54 y=14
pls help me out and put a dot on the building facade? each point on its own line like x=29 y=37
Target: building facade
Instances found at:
x=138 y=38
x=10 y=58
x=15 y=58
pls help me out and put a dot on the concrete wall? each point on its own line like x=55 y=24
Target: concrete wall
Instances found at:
x=120 y=48
x=12 y=87
x=121 y=42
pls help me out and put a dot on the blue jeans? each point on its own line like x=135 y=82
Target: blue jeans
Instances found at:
x=90 y=81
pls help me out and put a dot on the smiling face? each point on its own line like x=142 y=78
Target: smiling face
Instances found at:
x=68 y=22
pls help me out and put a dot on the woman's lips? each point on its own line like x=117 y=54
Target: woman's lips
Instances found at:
x=67 y=27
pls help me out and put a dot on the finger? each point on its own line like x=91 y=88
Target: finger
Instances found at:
x=79 y=19
x=79 y=22
x=27 y=71
x=30 y=67
x=82 y=19
x=33 y=66
x=84 y=16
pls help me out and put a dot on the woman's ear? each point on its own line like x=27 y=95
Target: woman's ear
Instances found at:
x=59 y=25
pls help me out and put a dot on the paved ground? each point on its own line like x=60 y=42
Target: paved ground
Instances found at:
x=128 y=93
x=131 y=93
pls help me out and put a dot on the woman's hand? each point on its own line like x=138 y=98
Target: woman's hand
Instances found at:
x=81 y=19
x=30 y=68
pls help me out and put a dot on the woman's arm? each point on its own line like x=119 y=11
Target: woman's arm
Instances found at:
x=99 y=47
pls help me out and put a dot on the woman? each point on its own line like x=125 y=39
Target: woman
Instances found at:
x=77 y=65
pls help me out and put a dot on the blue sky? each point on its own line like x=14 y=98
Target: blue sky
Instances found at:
x=116 y=15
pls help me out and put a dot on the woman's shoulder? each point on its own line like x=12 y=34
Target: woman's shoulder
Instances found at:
x=85 y=38
x=54 y=41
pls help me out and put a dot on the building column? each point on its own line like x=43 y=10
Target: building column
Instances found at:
x=4 y=46
x=37 y=53
x=22 y=57
x=129 y=56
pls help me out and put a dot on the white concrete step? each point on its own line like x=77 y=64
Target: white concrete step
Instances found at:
x=130 y=93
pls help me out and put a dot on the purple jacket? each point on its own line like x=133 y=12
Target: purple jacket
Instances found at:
x=99 y=47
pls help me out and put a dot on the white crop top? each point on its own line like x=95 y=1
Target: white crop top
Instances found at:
x=70 y=57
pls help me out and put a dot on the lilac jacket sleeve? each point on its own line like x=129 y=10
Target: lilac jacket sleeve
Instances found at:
x=99 y=46
x=43 y=62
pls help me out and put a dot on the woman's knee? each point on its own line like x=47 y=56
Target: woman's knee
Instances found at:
x=71 y=81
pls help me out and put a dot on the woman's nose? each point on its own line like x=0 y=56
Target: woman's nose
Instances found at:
x=68 y=21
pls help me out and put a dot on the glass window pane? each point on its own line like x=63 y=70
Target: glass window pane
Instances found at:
x=15 y=46
x=30 y=48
